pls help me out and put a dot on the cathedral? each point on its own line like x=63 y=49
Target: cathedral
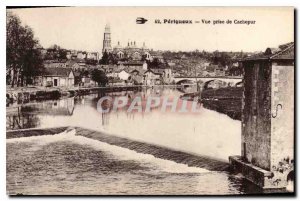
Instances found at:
x=131 y=51
x=107 y=40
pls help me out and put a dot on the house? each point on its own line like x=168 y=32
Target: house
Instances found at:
x=112 y=71
x=137 y=72
x=68 y=55
x=171 y=64
x=137 y=79
x=168 y=77
x=208 y=74
x=58 y=77
x=81 y=55
x=165 y=75
x=82 y=65
x=55 y=64
x=205 y=64
x=123 y=75
x=152 y=77
x=235 y=64
x=158 y=56
x=74 y=52
x=87 y=81
x=219 y=71
x=137 y=75
x=75 y=65
x=134 y=64
x=211 y=68
x=93 y=55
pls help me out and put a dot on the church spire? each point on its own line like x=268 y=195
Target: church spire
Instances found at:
x=107 y=39
x=107 y=28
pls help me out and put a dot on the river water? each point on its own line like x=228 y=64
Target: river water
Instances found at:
x=71 y=164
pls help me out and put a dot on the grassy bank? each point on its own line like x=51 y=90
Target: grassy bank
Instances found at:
x=224 y=100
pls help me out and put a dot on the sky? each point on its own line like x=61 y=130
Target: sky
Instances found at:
x=81 y=28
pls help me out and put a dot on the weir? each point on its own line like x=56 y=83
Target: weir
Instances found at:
x=267 y=156
x=161 y=152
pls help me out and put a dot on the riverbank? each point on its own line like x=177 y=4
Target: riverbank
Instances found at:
x=224 y=100
x=26 y=94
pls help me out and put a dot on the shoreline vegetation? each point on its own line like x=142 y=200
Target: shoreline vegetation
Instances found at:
x=224 y=100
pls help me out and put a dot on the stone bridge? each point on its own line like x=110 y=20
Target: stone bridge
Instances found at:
x=206 y=81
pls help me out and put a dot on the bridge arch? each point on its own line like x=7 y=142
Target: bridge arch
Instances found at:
x=290 y=176
x=187 y=81
x=205 y=86
x=239 y=84
x=204 y=81
x=290 y=181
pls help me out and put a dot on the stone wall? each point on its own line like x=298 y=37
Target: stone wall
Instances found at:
x=256 y=123
x=282 y=121
x=268 y=119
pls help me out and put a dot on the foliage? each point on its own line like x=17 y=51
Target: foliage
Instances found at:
x=99 y=77
x=221 y=58
x=154 y=63
x=84 y=73
x=91 y=61
x=56 y=52
x=62 y=54
x=22 y=54
x=105 y=59
x=108 y=58
x=144 y=57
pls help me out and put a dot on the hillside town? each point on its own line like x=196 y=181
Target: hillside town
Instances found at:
x=132 y=64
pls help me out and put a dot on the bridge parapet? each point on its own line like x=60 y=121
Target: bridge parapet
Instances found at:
x=204 y=81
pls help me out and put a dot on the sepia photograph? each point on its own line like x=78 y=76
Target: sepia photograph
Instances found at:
x=150 y=101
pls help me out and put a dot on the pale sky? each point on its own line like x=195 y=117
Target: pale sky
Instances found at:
x=82 y=28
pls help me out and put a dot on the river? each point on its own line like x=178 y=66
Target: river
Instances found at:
x=72 y=164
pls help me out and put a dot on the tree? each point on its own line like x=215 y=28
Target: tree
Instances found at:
x=23 y=57
x=144 y=57
x=154 y=63
x=105 y=59
x=62 y=54
x=112 y=59
x=99 y=77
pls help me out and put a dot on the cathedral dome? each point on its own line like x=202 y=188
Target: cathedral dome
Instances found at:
x=134 y=45
x=118 y=46
x=145 y=48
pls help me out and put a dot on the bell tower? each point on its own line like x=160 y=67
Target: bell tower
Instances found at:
x=107 y=40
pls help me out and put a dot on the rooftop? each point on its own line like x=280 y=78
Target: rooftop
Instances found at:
x=59 y=72
x=283 y=52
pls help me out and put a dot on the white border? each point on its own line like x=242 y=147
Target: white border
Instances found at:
x=5 y=3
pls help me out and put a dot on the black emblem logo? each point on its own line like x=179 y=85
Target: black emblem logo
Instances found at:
x=141 y=20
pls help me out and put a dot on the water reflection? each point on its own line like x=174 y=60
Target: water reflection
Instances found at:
x=15 y=119
x=200 y=133
x=28 y=116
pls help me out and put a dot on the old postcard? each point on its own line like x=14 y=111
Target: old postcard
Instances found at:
x=150 y=100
